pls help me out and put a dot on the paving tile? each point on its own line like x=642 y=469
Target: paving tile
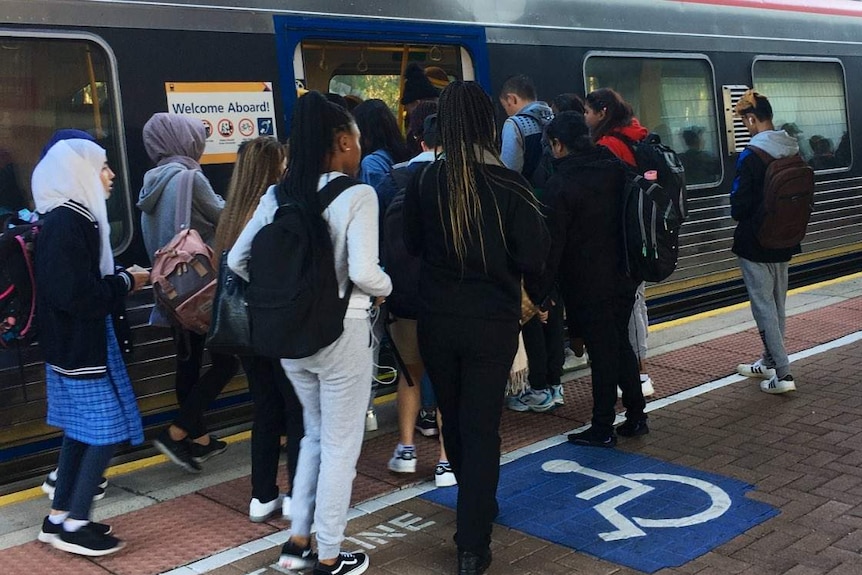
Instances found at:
x=37 y=558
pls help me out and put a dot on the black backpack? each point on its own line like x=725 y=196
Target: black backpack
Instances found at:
x=292 y=294
x=401 y=267
x=17 y=284
x=650 y=223
x=651 y=154
x=653 y=211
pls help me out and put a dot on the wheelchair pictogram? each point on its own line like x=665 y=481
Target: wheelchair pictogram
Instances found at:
x=632 y=483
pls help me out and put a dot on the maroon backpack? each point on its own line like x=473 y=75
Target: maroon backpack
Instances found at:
x=788 y=200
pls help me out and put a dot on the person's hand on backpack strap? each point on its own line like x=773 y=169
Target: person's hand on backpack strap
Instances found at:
x=140 y=277
x=379 y=301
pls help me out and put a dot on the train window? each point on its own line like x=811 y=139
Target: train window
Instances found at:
x=371 y=70
x=671 y=96
x=808 y=101
x=51 y=83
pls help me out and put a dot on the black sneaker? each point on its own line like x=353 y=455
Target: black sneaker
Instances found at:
x=51 y=531
x=352 y=563
x=86 y=541
x=426 y=423
x=633 y=428
x=201 y=453
x=177 y=451
x=50 y=485
x=294 y=557
x=470 y=563
x=593 y=439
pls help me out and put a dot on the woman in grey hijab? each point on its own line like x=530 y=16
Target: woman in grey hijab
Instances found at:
x=175 y=143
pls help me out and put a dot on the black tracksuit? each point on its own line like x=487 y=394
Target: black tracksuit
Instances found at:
x=468 y=323
x=584 y=196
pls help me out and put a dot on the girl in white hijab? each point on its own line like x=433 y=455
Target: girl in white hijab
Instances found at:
x=90 y=396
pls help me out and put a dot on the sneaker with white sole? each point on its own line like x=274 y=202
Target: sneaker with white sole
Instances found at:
x=87 y=541
x=444 y=476
x=51 y=531
x=756 y=369
x=50 y=485
x=646 y=386
x=403 y=460
x=345 y=564
x=537 y=400
x=259 y=512
x=775 y=386
x=426 y=422
x=558 y=394
x=294 y=557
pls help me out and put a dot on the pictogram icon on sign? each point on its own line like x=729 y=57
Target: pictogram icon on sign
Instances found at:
x=225 y=128
x=632 y=483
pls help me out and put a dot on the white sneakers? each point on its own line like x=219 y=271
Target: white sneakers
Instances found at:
x=756 y=369
x=771 y=383
x=443 y=475
x=403 y=460
x=774 y=386
x=646 y=386
x=259 y=512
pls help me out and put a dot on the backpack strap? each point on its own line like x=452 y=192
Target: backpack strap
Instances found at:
x=333 y=189
x=762 y=154
x=183 y=215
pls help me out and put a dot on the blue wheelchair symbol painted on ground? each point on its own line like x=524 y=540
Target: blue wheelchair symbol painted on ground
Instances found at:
x=621 y=507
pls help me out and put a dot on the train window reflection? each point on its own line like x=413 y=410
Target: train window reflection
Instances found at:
x=673 y=97
x=808 y=101
x=49 y=84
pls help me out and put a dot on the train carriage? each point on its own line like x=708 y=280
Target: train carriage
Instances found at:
x=107 y=65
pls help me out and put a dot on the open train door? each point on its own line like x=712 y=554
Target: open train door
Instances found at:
x=367 y=58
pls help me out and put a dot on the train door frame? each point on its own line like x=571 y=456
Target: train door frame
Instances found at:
x=291 y=31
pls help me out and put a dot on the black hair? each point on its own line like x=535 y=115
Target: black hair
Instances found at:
x=520 y=85
x=618 y=112
x=468 y=134
x=379 y=130
x=336 y=99
x=568 y=102
x=571 y=130
x=316 y=123
x=691 y=136
x=416 y=124
x=762 y=110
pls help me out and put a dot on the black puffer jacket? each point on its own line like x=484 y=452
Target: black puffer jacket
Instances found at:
x=584 y=202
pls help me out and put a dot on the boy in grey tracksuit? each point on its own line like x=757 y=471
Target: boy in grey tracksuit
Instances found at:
x=764 y=271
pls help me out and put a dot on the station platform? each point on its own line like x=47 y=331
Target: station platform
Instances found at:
x=729 y=481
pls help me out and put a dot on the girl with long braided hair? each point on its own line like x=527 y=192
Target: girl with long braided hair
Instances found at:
x=334 y=383
x=477 y=228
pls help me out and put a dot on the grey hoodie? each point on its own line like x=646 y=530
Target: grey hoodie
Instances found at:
x=513 y=136
x=157 y=201
x=776 y=143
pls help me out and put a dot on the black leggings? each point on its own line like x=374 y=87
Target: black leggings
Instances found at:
x=195 y=391
x=277 y=412
x=543 y=343
x=468 y=361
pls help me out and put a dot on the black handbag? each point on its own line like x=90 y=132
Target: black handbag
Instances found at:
x=230 y=331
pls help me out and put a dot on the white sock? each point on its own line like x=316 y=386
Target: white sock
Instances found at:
x=402 y=447
x=72 y=525
x=53 y=475
x=58 y=518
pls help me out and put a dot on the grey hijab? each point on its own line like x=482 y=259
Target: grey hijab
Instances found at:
x=175 y=138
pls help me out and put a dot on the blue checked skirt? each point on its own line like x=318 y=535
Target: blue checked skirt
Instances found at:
x=100 y=411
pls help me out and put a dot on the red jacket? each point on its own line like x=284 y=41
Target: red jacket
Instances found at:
x=620 y=148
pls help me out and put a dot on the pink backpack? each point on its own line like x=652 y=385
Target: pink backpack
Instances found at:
x=183 y=276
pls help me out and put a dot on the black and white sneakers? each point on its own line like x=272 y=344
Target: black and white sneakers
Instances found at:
x=91 y=540
x=50 y=485
x=294 y=557
x=347 y=563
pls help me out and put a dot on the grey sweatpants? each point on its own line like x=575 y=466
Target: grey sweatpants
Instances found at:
x=333 y=387
x=766 y=284
x=639 y=324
